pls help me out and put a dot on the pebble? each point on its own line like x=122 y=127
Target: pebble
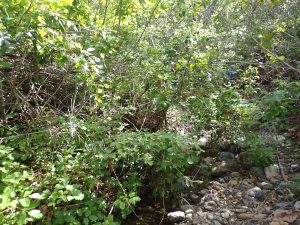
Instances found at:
x=194 y=197
x=204 y=191
x=232 y=196
x=210 y=216
x=235 y=174
x=202 y=141
x=216 y=222
x=276 y=222
x=297 y=206
x=282 y=204
x=225 y=215
x=248 y=200
x=275 y=181
x=260 y=216
x=295 y=167
x=266 y=185
x=265 y=210
x=255 y=192
x=187 y=209
x=176 y=216
x=239 y=210
x=280 y=191
x=246 y=216
x=245 y=183
x=233 y=182
x=245 y=160
x=258 y=172
x=210 y=205
x=209 y=160
x=189 y=217
x=285 y=215
x=225 y=156
x=291 y=196
x=222 y=168
x=272 y=171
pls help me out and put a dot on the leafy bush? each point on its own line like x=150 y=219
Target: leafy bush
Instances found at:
x=295 y=186
x=260 y=153
x=161 y=157
x=85 y=172
x=281 y=102
x=17 y=204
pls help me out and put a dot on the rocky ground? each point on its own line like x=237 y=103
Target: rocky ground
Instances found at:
x=240 y=194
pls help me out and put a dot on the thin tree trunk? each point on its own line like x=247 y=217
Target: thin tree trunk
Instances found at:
x=2 y=109
x=105 y=11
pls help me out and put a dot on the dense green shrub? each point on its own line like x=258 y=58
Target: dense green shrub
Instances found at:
x=261 y=154
x=82 y=173
x=77 y=76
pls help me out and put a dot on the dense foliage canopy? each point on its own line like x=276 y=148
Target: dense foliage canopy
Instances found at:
x=104 y=100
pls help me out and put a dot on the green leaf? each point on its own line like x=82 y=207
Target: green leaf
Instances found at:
x=70 y=187
x=35 y=196
x=191 y=160
x=134 y=200
x=45 y=194
x=70 y=198
x=27 y=193
x=5 y=64
x=25 y=202
x=34 y=204
x=35 y=213
x=86 y=221
x=93 y=218
x=21 y=218
x=122 y=205
x=79 y=196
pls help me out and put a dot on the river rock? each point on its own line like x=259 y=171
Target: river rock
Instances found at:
x=194 y=197
x=272 y=172
x=210 y=205
x=225 y=156
x=235 y=174
x=225 y=167
x=240 y=210
x=288 y=216
x=255 y=192
x=189 y=217
x=282 y=204
x=276 y=222
x=265 y=210
x=225 y=215
x=257 y=216
x=245 y=160
x=297 y=206
x=176 y=216
x=258 y=172
x=199 y=220
x=209 y=160
x=245 y=216
x=202 y=141
x=187 y=209
x=248 y=200
x=266 y=185
x=234 y=148
x=216 y=222
x=245 y=184
x=260 y=216
x=295 y=168
x=233 y=183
